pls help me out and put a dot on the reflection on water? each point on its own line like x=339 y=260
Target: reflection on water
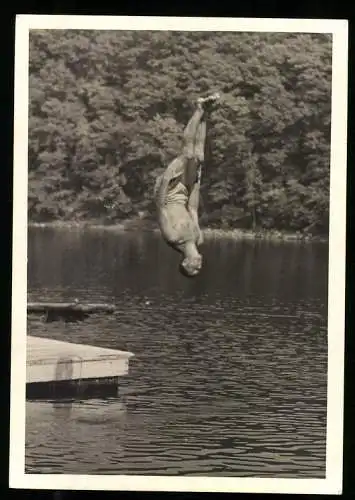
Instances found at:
x=229 y=374
x=63 y=431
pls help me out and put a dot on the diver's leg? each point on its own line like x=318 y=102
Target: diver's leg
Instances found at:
x=194 y=140
x=189 y=137
x=189 y=144
x=191 y=129
x=200 y=141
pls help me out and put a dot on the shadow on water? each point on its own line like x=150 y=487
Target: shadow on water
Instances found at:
x=229 y=373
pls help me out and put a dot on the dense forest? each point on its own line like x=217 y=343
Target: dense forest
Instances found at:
x=107 y=110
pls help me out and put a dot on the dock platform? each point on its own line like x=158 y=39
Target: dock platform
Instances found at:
x=58 y=369
x=68 y=311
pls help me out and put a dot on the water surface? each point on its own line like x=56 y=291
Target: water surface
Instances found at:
x=229 y=373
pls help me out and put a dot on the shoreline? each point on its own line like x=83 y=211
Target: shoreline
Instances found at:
x=208 y=232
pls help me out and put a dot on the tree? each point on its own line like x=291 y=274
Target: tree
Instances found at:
x=107 y=110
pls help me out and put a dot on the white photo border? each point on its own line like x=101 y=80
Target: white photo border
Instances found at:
x=332 y=484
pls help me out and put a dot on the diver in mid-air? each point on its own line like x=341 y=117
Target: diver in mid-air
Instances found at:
x=177 y=191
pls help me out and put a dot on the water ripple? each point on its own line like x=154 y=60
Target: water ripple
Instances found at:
x=230 y=371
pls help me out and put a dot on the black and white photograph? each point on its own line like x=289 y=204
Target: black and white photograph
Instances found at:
x=179 y=239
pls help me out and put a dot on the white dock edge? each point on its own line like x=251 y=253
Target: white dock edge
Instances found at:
x=52 y=360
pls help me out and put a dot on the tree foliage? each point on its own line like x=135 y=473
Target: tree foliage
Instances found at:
x=107 y=111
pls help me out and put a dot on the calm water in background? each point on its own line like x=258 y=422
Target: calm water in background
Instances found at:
x=229 y=373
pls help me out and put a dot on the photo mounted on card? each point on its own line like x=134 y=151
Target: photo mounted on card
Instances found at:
x=178 y=254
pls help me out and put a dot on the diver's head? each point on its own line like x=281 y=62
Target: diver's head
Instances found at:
x=190 y=266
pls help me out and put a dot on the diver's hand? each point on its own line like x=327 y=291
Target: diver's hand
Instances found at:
x=200 y=237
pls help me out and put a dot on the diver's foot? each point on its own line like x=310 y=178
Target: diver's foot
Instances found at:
x=214 y=97
x=209 y=101
x=211 y=98
x=200 y=103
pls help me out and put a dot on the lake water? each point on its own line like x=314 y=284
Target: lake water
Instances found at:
x=229 y=376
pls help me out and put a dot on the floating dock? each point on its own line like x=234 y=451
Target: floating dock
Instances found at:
x=58 y=369
x=70 y=311
x=43 y=307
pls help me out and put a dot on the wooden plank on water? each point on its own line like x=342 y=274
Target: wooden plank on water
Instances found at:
x=67 y=307
x=52 y=360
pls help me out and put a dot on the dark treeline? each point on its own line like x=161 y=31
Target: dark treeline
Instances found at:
x=107 y=111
